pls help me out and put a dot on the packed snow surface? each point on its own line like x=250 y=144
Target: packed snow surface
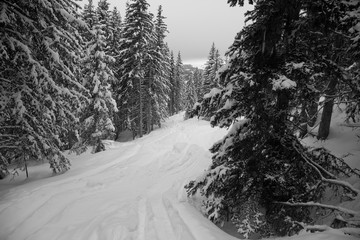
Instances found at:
x=133 y=190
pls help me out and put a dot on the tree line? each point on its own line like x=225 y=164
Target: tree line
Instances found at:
x=73 y=77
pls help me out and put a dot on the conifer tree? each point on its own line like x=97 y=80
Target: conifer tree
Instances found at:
x=260 y=164
x=137 y=36
x=210 y=85
x=212 y=65
x=178 y=85
x=97 y=118
x=190 y=97
x=115 y=29
x=161 y=84
x=198 y=80
x=115 y=25
x=88 y=14
x=157 y=71
x=172 y=84
x=40 y=93
x=103 y=18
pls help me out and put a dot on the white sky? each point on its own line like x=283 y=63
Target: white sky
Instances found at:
x=195 y=24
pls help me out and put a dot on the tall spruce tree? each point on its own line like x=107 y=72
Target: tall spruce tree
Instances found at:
x=162 y=84
x=172 y=84
x=103 y=15
x=261 y=177
x=198 y=80
x=190 y=97
x=135 y=45
x=178 y=85
x=114 y=51
x=40 y=93
x=210 y=85
x=97 y=116
x=212 y=65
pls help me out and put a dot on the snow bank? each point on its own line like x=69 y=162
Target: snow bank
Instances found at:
x=134 y=190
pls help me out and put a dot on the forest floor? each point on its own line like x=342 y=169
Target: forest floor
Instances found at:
x=133 y=190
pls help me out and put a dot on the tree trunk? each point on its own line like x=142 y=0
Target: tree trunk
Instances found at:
x=26 y=166
x=303 y=121
x=148 y=110
x=324 y=128
x=282 y=106
x=140 y=109
x=118 y=125
x=312 y=111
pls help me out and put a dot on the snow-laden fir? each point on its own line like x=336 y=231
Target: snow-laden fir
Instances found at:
x=133 y=190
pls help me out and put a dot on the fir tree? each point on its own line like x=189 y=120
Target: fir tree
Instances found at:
x=260 y=163
x=190 y=97
x=97 y=120
x=137 y=38
x=210 y=85
x=40 y=92
x=178 y=85
x=103 y=17
x=114 y=51
x=212 y=65
x=172 y=84
x=89 y=17
x=198 y=80
x=161 y=83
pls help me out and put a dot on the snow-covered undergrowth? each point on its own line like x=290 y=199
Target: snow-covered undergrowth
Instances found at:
x=134 y=190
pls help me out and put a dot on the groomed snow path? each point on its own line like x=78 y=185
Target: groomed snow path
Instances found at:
x=134 y=190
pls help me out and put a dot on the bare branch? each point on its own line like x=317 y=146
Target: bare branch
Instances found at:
x=326 y=206
x=320 y=169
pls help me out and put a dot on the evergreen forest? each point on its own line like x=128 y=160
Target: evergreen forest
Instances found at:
x=72 y=78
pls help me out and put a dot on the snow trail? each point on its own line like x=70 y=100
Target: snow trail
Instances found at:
x=134 y=190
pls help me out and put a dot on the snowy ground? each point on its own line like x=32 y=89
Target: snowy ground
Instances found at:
x=134 y=190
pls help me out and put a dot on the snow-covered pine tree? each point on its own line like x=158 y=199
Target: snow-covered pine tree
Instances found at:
x=115 y=24
x=262 y=178
x=198 y=80
x=178 y=85
x=89 y=17
x=212 y=65
x=40 y=92
x=115 y=32
x=210 y=85
x=190 y=97
x=160 y=85
x=172 y=84
x=134 y=51
x=96 y=121
x=103 y=15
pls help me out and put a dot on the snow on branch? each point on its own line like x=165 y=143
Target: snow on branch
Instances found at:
x=315 y=204
x=283 y=82
x=320 y=169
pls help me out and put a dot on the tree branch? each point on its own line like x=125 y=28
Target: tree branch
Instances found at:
x=326 y=206
x=334 y=179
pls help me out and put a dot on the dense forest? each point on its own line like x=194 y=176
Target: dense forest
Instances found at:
x=72 y=77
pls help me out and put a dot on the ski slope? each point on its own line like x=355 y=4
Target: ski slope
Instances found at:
x=134 y=190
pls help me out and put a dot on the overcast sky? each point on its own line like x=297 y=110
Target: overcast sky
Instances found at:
x=195 y=24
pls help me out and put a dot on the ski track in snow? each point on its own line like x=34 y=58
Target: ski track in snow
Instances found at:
x=134 y=190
